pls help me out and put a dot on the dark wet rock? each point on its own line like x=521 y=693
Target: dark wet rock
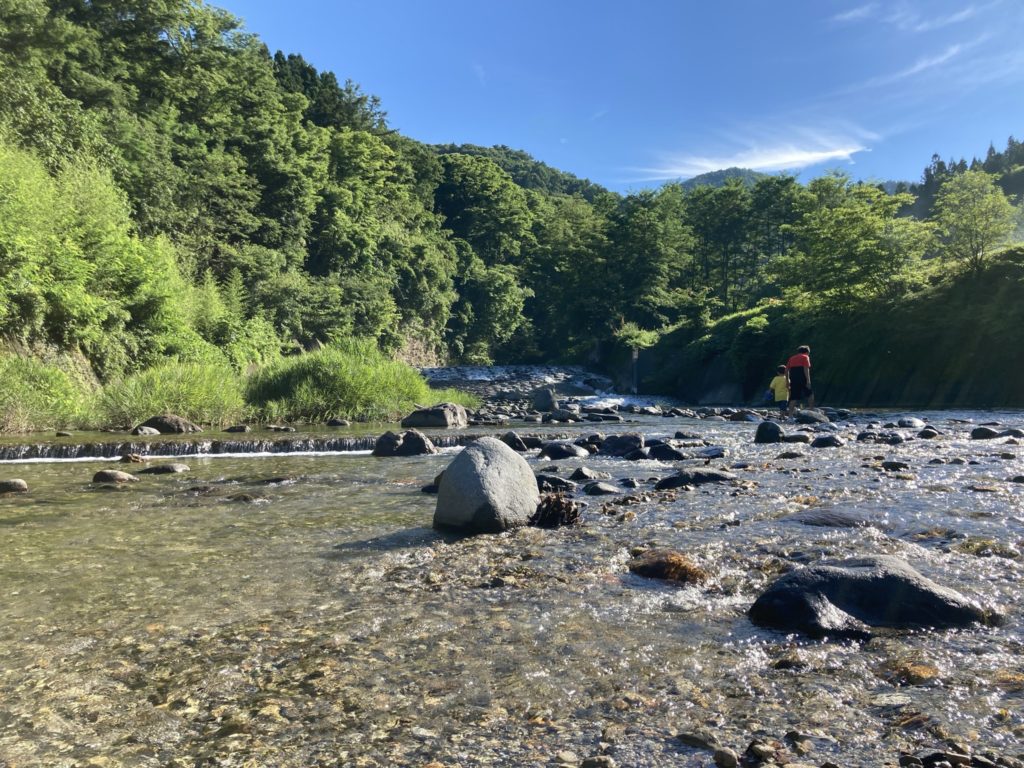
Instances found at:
x=768 y=432
x=553 y=483
x=797 y=437
x=532 y=442
x=600 y=489
x=430 y=488
x=810 y=417
x=746 y=416
x=487 y=488
x=827 y=441
x=514 y=441
x=165 y=469
x=895 y=466
x=142 y=431
x=638 y=455
x=791 y=455
x=544 y=399
x=697 y=476
x=279 y=428
x=581 y=474
x=713 y=452
x=563 y=415
x=599 y=761
x=113 y=476
x=928 y=433
x=849 y=598
x=338 y=423
x=621 y=445
x=562 y=449
x=726 y=758
x=668 y=565
x=408 y=443
x=665 y=452
x=1017 y=479
x=14 y=485
x=239 y=428
x=169 y=424
x=910 y=422
x=828 y=518
x=63 y=433
x=629 y=482
x=984 y=433
x=681 y=435
x=555 y=511
x=698 y=740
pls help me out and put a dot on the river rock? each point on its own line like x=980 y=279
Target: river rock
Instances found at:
x=514 y=441
x=600 y=489
x=669 y=565
x=113 y=476
x=544 y=399
x=622 y=445
x=910 y=422
x=850 y=597
x=585 y=473
x=746 y=415
x=238 y=428
x=811 y=417
x=169 y=424
x=338 y=423
x=697 y=476
x=665 y=452
x=145 y=431
x=554 y=484
x=408 y=443
x=928 y=433
x=561 y=449
x=165 y=469
x=442 y=415
x=768 y=432
x=984 y=433
x=827 y=441
x=487 y=488
x=828 y=518
x=14 y=485
x=797 y=437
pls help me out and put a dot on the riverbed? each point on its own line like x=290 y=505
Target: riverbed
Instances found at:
x=298 y=610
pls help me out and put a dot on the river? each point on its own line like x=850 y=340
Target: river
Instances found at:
x=298 y=610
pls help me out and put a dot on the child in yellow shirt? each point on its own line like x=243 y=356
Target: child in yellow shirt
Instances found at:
x=780 y=388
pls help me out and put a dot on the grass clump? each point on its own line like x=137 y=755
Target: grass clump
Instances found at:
x=36 y=396
x=206 y=393
x=352 y=380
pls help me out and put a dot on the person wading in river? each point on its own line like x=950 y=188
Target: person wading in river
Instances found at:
x=798 y=368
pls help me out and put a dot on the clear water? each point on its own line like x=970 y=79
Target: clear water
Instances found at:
x=213 y=618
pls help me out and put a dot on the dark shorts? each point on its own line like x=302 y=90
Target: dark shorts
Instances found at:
x=799 y=389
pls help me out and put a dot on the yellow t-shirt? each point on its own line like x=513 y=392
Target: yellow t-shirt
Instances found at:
x=780 y=388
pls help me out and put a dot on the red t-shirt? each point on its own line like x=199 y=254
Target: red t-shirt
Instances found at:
x=799 y=360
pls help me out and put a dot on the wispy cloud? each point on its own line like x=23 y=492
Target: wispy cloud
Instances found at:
x=859 y=13
x=944 y=21
x=921 y=65
x=599 y=114
x=803 y=149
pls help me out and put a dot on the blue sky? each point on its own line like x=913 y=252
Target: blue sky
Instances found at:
x=631 y=95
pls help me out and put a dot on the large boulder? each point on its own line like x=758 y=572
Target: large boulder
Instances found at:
x=113 y=476
x=768 y=432
x=408 y=443
x=487 y=488
x=984 y=433
x=622 y=445
x=848 y=598
x=562 y=449
x=442 y=415
x=14 y=485
x=169 y=424
x=811 y=417
x=544 y=399
x=698 y=476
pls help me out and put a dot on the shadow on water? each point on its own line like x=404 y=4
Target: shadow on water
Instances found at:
x=404 y=539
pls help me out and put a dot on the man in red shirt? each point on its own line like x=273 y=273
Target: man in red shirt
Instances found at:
x=798 y=369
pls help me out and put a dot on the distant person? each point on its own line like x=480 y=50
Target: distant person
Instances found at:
x=780 y=389
x=798 y=368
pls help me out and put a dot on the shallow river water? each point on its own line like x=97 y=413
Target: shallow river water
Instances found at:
x=298 y=610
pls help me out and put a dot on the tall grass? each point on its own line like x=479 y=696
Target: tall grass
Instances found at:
x=35 y=396
x=201 y=392
x=352 y=379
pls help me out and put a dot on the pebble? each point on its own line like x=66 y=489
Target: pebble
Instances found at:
x=726 y=758
x=598 y=761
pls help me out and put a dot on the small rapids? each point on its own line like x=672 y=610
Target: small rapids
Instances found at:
x=298 y=610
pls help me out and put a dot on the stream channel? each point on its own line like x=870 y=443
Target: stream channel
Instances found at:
x=298 y=610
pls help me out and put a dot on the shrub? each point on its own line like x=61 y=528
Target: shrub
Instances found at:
x=207 y=393
x=351 y=379
x=37 y=396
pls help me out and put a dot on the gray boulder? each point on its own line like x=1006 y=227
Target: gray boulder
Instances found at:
x=408 y=443
x=514 y=441
x=849 y=598
x=165 y=469
x=14 y=485
x=665 y=452
x=768 y=432
x=169 y=424
x=827 y=441
x=145 y=431
x=622 y=445
x=811 y=417
x=984 y=433
x=113 y=476
x=544 y=399
x=442 y=415
x=698 y=476
x=487 y=488
x=600 y=489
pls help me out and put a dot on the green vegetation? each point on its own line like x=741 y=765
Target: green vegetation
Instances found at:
x=39 y=396
x=353 y=380
x=174 y=195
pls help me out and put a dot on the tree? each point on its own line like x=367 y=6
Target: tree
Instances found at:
x=973 y=216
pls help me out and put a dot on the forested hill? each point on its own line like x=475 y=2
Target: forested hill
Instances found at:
x=718 y=178
x=171 y=190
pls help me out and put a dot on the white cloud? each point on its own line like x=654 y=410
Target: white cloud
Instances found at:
x=945 y=21
x=907 y=19
x=859 y=13
x=801 y=152
x=919 y=66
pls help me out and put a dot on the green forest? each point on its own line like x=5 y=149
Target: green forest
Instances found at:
x=183 y=211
